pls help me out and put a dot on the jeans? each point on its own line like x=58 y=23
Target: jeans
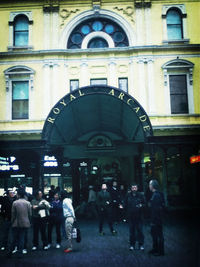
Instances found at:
x=158 y=238
x=18 y=235
x=39 y=225
x=68 y=228
x=6 y=229
x=105 y=214
x=136 y=232
x=53 y=222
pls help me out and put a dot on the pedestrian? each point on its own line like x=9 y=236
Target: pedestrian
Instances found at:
x=20 y=218
x=105 y=209
x=91 y=205
x=55 y=219
x=40 y=210
x=69 y=214
x=6 y=213
x=115 y=202
x=122 y=195
x=134 y=203
x=157 y=205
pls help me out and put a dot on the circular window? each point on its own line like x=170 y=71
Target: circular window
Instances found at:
x=118 y=37
x=85 y=29
x=76 y=38
x=97 y=43
x=97 y=26
x=109 y=28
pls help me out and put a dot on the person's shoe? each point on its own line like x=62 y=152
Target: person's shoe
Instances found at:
x=101 y=233
x=57 y=245
x=14 y=251
x=24 y=251
x=49 y=245
x=34 y=248
x=68 y=250
x=141 y=247
x=131 y=248
x=3 y=248
x=45 y=248
x=114 y=232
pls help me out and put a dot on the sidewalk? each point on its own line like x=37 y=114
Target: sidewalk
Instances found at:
x=181 y=246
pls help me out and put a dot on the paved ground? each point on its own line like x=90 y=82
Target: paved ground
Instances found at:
x=182 y=246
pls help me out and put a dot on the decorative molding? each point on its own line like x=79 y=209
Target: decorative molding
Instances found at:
x=142 y=3
x=65 y=13
x=7 y=82
x=191 y=76
x=128 y=11
x=51 y=6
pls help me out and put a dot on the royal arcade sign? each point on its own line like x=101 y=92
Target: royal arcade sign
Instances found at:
x=114 y=92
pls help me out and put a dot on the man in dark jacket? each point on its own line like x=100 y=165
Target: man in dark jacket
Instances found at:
x=6 y=212
x=115 y=201
x=157 y=205
x=134 y=202
x=104 y=208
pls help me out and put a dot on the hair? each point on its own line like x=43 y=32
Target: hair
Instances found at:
x=154 y=184
x=21 y=192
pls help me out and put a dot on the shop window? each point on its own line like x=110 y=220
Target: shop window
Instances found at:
x=174 y=24
x=97 y=33
x=178 y=82
x=74 y=84
x=19 y=86
x=20 y=30
x=98 y=81
x=123 y=84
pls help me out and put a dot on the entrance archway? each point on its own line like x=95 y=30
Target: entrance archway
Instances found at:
x=98 y=123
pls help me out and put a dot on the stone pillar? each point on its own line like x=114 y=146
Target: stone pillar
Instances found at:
x=47 y=90
x=151 y=88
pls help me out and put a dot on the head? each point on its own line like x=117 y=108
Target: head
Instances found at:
x=10 y=193
x=56 y=196
x=39 y=194
x=134 y=188
x=153 y=185
x=90 y=187
x=114 y=183
x=104 y=187
x=21 y=192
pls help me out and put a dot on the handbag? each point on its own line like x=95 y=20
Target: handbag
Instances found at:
x=76 y=233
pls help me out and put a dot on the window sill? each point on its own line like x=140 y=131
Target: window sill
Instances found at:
x=19 y=48
x=182 y=41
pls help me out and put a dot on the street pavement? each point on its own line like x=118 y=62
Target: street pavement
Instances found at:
x=182 y=247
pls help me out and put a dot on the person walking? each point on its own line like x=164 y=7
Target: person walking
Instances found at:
x=134 y=203
x=69 y=214
x=55 y=219
x=40 y=209
x=6 y=213
x=105 y=210
x=157 y=205
x=20 y=219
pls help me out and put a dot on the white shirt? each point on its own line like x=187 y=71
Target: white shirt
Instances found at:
x=68 y=210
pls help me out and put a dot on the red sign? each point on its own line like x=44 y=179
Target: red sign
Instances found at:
x=194 y=159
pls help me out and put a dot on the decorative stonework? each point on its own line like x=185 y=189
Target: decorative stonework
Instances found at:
x=128 y=11
x=142 y=3
x=65 y=13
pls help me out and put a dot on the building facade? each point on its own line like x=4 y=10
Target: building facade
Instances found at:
x=98 y=90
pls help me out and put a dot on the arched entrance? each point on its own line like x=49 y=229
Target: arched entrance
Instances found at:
x=102 y=128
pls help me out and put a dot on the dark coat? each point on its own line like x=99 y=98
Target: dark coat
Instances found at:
x=103 y=200
x=157 y=205
x=7 y=207
x=115 y=196
x=134 y=204
x=56 y=210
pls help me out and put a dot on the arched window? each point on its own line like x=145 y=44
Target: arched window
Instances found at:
x=21 y=31
x=174 y=24
x=105 y=32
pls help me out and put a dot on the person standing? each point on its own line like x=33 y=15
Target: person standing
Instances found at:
x=91 y=206
x=115 y=201
x=134 y=203
x=6 y=213
x=55 y=219
x=105 y=210
x=40 y=209
x=157 y=205
x=20 y=219
x=69 y=214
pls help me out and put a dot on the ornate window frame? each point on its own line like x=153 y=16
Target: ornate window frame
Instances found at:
x=179 y=67
x=93 y=35
x=99 y=13
x=18 y=73
x=183 y=13
x=12 y=17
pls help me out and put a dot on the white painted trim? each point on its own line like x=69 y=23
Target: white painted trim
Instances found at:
x=84 y=80
x=139 y=26
x=92 y=35
x=142 y=89
x=151 y=87
x=148 y=25
x=55 y=30
x=101 y=14
x=47 y=93
x=47 y=20
x=112 y=75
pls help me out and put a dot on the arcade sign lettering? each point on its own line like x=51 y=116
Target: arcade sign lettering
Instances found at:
x=139 y=111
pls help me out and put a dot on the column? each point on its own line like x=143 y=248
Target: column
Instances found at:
x=139 y=26
x=151 y=87
x=167 y=93
x=112 y=81
x=47 y=22
x=142 y=89
x=130 y=77
x=31 y=98
x=84 y=74
x=55 y=30
x=148 y=26
x=55 y=84
x=47 y=91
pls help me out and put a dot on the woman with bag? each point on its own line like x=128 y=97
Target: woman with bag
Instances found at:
x=40 y=212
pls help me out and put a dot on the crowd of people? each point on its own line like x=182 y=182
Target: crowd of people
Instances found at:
x=112 y=204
